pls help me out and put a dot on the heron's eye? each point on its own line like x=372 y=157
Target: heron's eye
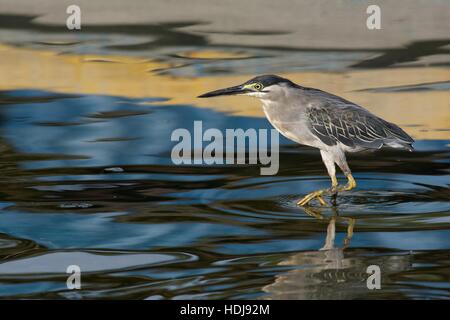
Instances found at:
x=258 y=86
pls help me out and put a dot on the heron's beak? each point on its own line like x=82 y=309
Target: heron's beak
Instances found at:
x=225 y=92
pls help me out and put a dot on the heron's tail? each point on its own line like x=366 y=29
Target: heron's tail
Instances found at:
x=400 y=145
x=397 y=138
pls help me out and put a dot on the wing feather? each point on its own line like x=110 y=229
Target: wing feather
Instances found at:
x=335 y=120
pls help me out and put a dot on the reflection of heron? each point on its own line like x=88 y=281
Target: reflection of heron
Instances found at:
x=328 y=273
x=322 y=120
x=331 y=230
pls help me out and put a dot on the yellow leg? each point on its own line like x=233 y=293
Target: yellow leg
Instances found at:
x=334 y=183
x=351 y=184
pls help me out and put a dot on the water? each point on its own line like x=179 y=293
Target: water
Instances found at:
x=87 y=178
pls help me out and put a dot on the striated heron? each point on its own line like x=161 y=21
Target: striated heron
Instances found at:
x=322 y=120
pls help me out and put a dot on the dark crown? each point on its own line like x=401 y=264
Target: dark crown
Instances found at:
x=269 y=79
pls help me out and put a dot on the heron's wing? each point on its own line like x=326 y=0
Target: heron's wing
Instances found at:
x=334 y=121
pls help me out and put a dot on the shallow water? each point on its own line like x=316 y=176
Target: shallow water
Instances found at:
x=150 y=229
x=87 y=178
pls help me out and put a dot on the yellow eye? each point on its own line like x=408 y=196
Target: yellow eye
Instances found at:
x=258 y=86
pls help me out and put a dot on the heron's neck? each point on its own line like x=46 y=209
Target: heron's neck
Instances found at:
x=267 y=103
x=270 y=108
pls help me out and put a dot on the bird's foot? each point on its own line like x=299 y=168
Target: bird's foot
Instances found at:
x=349 y=186
x=313 y=195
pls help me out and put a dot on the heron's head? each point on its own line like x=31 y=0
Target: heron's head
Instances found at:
x=262 y=87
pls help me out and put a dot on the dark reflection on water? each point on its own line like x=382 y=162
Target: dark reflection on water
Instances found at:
x=88 y=180
x=441 y=85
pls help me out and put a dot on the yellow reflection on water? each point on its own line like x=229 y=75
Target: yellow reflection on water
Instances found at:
x=426 y=112
x=213 y=54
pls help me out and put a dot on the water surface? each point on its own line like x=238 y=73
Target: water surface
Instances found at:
x=87 y=178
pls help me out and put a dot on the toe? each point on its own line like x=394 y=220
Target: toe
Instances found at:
x=311 y=196
x=322 y=202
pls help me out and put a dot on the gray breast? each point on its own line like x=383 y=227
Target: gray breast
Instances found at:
x=290 y=121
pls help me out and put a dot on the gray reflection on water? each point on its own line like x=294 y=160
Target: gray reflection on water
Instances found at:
x=328 y=273
x=164 y=41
